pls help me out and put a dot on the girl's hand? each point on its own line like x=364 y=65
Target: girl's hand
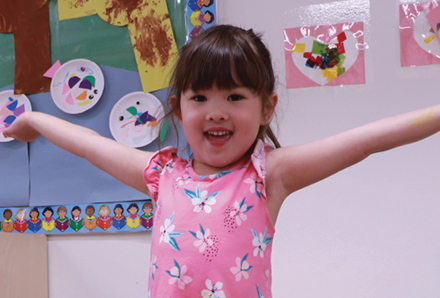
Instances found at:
x=22 y=129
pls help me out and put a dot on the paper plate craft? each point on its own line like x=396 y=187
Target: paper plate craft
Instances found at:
x=324 y=55
x=133 y=120
x=419 y=25
x=11 y=106
x=77 y=86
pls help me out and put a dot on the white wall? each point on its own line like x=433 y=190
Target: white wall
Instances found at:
x=370 y=231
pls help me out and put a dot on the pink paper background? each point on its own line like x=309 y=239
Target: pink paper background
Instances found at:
x=411 y=53
x=296 y=79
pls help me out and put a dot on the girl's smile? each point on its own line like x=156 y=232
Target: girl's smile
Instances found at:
x=220 y=125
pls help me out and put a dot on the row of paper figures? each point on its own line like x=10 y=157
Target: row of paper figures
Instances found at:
x=114 y=217
x=334 y=54
x=76 y=87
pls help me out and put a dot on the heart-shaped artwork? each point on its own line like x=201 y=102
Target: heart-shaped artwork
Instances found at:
x=424 y=35
x=322 y=62
x=419 y=44
x=325 y=55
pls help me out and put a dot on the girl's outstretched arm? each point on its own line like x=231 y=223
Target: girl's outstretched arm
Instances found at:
x=292 y=168
x=122 y=162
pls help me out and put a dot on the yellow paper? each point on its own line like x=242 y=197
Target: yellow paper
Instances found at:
x=330 y=73
x=429 y=39
x=150 y=30
x=153 y=43
x=110 y=13
x=299 y=48
x=70 y=9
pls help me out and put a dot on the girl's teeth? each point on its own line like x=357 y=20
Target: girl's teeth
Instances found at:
x=218 y=133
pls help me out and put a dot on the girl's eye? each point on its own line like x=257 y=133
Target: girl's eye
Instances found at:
x=199 y=98
x=235 y=97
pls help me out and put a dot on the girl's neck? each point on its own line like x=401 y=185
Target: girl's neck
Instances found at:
x=203 y=169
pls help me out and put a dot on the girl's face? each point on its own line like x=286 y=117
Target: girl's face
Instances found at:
x=104 y=212
x=76 y=213
x=221 y=125
x=48 y=213
x=21 y=215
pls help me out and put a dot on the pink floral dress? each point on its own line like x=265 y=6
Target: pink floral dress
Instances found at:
x=212 y=235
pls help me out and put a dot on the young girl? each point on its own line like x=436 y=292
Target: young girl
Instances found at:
x=214 y=222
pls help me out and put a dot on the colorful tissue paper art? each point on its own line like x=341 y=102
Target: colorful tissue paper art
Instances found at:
x=77 y=85
x=11 y=106
x=419 y=38
x=150 y=30
x=325 y=55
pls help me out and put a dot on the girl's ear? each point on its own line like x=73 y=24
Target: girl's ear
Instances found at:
x=173 y=103
x=269 y=108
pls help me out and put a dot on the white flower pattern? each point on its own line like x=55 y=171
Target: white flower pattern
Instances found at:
x=213 y=291
x=177 y=274
x=241 y=269
x=239 y=211
x=260 y=242
x=202 y=200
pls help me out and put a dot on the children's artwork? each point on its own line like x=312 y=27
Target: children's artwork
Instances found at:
x=29 y=22
x=133 y=119
x=150 y=31
x=68 y=219
x=11 y=106
x=77 y=86
x=419 y=41
x=201 y=15
x=325 y=55
x=70 y=9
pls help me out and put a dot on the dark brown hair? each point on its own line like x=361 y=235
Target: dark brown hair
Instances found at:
x=228 y=57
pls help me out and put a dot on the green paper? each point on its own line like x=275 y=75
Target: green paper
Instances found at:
x=164 y=130
x=318 y=48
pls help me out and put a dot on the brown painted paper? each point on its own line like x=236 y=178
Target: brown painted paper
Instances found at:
x=28 y=20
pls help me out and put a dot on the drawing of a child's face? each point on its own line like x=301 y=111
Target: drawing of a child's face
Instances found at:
x=21 y=214
x=76 y=213
x=7 y=214
x=90 y=210
x=133 y=210
x=118 y=211
x=104 y=211
x=147 y=209
x=62 y=213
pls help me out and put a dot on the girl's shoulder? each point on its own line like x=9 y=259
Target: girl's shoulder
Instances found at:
x=160 y=163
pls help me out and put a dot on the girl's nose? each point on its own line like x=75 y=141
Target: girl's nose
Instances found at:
x=217 y=115
x=217 y=112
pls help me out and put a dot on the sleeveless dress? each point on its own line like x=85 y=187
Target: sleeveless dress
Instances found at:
x=212 y=235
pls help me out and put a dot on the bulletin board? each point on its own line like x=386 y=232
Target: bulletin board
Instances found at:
x=54 y=36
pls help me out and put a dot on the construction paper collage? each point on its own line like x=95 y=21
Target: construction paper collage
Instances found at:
x=92 y=66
